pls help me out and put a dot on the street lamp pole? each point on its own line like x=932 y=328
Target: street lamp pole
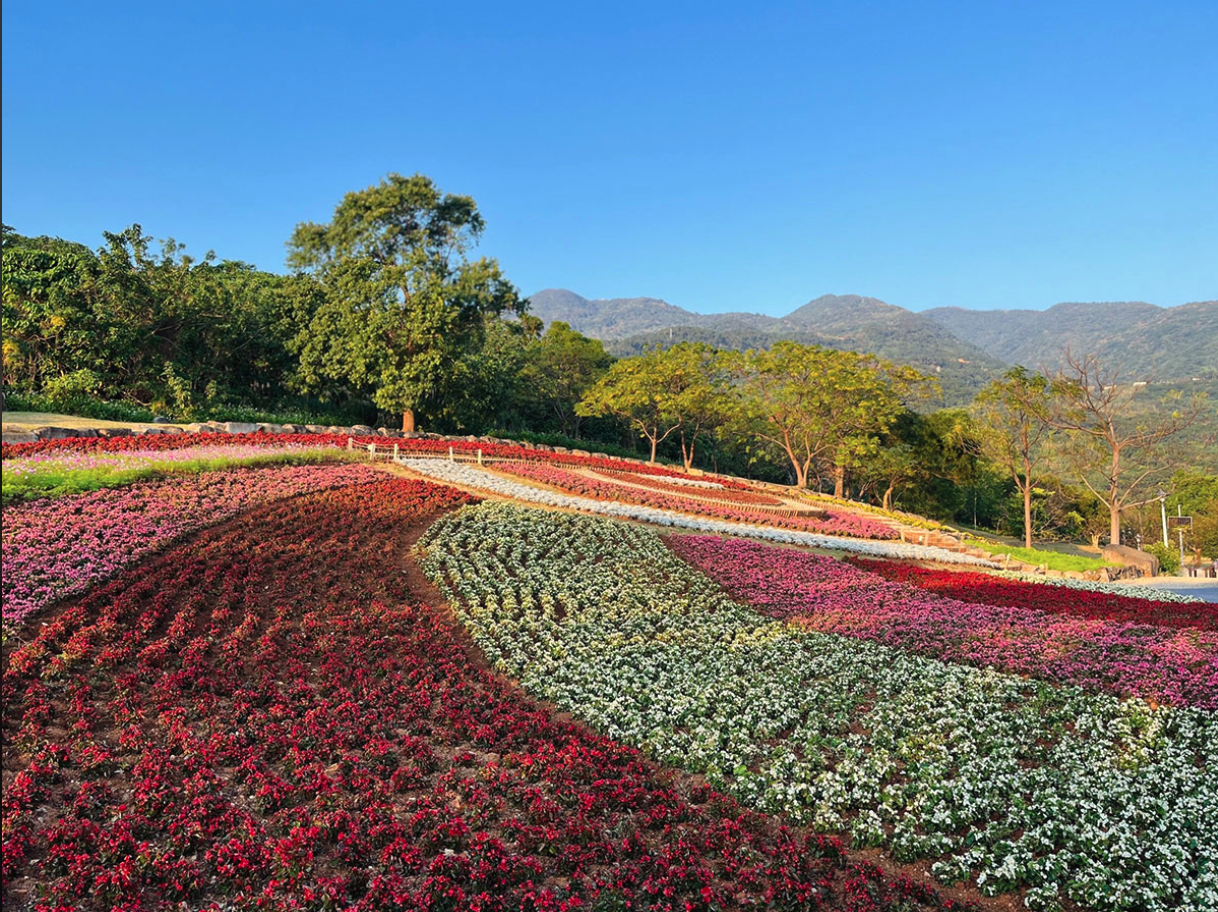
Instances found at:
x=1163 y=509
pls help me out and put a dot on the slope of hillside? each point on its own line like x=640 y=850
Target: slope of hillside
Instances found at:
x=607 y=318
x=1148 y=341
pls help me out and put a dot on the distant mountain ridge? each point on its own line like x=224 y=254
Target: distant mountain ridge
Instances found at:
x=1165 y=343
x=963 y=348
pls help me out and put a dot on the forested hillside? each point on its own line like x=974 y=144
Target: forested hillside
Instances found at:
x=1166 y=343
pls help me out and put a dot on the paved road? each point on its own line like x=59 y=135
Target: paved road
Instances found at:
x=1202 y=588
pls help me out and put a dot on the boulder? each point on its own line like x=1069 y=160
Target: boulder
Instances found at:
x=173 y=429
x=600 y=455
x=358 y=430
x=200 y=429
x=1147 y=564
x=239 y=427
x=316 y=429
x=293 y=428
x=161 y=419
x=561 y=450
x=383 y=432
x=113 y=432
x=59 y=433
x=20 y=437
x=580 y=453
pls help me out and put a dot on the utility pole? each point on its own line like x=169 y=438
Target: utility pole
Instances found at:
x=1163 y=508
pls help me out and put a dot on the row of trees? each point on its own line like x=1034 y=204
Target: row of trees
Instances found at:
x=832 y=414
x=386 y=312
x=1081 y=420
x=818 y=409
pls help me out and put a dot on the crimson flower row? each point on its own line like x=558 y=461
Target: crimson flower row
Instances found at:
x=994 y=590
x=156 y=442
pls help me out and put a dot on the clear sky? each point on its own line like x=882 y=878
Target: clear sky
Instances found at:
x=723 y=157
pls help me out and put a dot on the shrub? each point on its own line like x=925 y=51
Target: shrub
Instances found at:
x=1169 y=560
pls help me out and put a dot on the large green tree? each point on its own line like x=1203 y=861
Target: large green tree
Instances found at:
x=1014 y=416
x=663 y=392
x=403 y=302
x=559 y=368
x=822 y=409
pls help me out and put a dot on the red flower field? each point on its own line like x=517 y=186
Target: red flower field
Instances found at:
x=984 y=589
x=273 y=715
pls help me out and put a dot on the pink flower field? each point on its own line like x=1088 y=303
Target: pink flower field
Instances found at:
x=1178 y=666
x=54 y=548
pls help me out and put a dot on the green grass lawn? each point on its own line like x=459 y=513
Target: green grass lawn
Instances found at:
x=1054 y=560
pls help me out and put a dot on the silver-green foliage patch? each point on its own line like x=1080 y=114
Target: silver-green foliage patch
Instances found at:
x=1111 y=803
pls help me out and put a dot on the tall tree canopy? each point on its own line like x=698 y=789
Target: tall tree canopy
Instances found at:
x=1014 y=414
x=559 y=368
x=661 y=393
x=403 y=303
x=1116 y=450
x=822 y=408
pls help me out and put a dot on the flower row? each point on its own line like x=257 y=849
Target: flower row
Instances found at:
x=54 y=548
x=268 y=718
x=1159 y=663
x=1103 y=604
x=469 y=476
x=845 y=524
x=1132 y=590
x=167 y=442
x=686 y=488
x=1013 y=782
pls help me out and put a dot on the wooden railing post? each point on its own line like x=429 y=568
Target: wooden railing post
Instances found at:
x=395 y=452
x=350 y=444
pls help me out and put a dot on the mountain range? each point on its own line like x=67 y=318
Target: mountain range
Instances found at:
x=963 y=348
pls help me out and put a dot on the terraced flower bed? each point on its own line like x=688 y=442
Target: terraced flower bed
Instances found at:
x=682 y=487
x=1160 y=663
x=846 y=524
x=266 y=716
x=54 y=548
x=1051 y=596
x=1012 y=783
x=500 y=484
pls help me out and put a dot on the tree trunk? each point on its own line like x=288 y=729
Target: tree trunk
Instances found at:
x=888 y=498
x=408 y=421
x=1114 y=528
x=653 y=449
x=1027 y=516
x=839 y=481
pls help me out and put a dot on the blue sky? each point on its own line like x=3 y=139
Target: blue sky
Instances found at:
x=723 y=157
